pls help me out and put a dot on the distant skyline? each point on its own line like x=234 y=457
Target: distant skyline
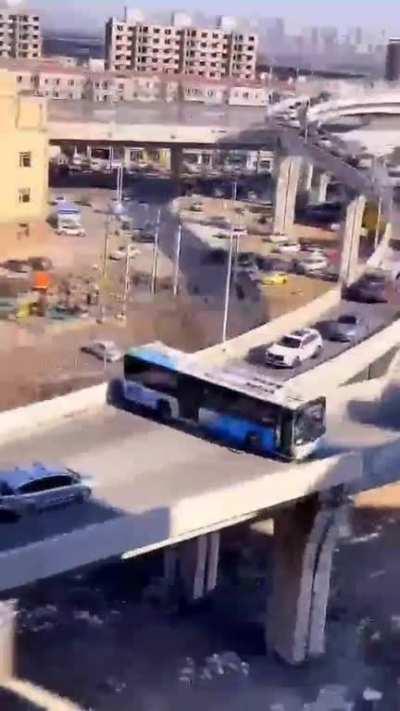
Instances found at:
x=89 y=15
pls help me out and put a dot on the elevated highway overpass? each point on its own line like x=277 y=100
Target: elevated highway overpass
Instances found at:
x=158 y=486
x=372 y=102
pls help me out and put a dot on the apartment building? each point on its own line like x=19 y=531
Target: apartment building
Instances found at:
x=229 y=91
x=20 y=34
x=24 y=154
x=60 y=82
x=56 y=81
x=170 y=49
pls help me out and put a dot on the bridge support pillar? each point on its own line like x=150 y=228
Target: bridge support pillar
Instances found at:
x=197 y=564
x=285 y=194
x=176 y=164
x=305 y=538
x=305 y=184
x=351 y=240
x=7 y=640
x=322 y=183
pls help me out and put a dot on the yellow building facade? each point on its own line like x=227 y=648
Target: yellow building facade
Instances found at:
x=23 y=154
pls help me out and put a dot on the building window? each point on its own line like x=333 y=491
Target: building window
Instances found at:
x=25 y=159
x=24 y=195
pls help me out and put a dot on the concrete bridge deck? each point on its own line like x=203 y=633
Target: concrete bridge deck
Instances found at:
x=154 y=485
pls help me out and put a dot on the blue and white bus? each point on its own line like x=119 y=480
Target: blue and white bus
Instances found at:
x=241 y=409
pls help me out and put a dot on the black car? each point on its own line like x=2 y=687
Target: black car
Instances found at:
x=370 y=289
x=247 y=259
x=215 y=256
x=21 y=266
x=40 y=264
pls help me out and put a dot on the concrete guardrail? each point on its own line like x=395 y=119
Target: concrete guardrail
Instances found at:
x=325 y=378
x=20 y=422
x=149 y=529
x=239 y=347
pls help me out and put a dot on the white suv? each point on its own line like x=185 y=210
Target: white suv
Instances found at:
x=295 y=348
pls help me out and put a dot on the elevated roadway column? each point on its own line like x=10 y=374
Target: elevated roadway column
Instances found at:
x=321 y=187
x=7 y=639
x=305 y=183
x=351 y=240
x=285 y=194
x=305 y=539
x=194 y=564
x=176 y=165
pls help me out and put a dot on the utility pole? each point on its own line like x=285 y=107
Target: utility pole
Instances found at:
x=234 y=190
x=236 y=253
x=120 y=182
x=177 y=260
x=378 y=223
x=126 y=284
x=155 y=254
x=106 y=240
x=227 y=289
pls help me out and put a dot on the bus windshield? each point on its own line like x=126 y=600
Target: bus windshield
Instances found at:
x=150 y=376
x=309 y=423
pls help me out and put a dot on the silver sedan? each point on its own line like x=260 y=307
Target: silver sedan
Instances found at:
x=37 y=488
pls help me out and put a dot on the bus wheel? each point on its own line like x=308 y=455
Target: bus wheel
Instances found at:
x=253 y=442
x=115 y=393
x=164 y=412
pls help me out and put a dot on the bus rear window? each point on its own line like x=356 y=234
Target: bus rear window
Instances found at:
x=151 y=376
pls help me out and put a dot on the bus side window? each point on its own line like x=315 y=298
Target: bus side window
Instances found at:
x=190 y=395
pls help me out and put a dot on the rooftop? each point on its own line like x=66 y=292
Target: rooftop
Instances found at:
x=174 y=113
x=240 y=377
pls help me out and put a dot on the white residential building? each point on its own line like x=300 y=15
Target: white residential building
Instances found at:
x=20 y=34
x=180 y=49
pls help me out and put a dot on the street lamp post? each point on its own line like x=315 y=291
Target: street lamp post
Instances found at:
x=227 y=289
x=234 y=190
x=177 y=259
x=155 y=254
x=120 y=182
x=378 y=223
x=236 y=253
x=126 y=284
x=106 y=241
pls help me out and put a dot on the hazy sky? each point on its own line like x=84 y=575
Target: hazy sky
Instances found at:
x=90 y=14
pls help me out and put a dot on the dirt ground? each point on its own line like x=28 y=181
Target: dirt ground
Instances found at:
x=124 y=652
x=189 y=323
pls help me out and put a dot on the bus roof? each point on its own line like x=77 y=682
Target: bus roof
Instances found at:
x=240 y=377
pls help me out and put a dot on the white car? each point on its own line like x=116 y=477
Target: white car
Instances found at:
x=287 y=248
x=121 y=253
x=294 y=349
x=277 y=238
x=72 y=231
x=59 y=200
x=314 y=262
x=239 y=231
x=104 y=350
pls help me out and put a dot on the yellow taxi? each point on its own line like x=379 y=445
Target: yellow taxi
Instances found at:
x=274 y=278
